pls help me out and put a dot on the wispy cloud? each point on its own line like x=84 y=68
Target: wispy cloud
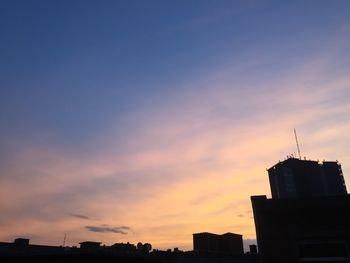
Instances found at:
x=105 y=229
x=80 y=216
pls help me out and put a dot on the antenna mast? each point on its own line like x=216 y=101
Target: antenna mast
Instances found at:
x=64 y=240
x=296 y=140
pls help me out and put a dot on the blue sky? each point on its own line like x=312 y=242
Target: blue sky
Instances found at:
x=163 y=95
x=69 y=66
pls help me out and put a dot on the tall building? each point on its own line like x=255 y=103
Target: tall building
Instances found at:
x=294 y=178
x=308 y=217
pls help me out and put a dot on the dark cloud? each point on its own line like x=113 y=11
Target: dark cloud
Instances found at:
x=105 y=229
x=80 y=216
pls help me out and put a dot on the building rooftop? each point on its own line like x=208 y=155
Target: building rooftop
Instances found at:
x=225 y=234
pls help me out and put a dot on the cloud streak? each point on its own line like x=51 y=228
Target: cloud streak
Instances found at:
x=80 y=216
x=105 y=229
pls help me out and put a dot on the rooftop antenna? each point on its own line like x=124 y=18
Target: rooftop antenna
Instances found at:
x=64 y=240
x=296 y=140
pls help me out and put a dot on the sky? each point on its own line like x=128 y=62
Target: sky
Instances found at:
x=128 y=121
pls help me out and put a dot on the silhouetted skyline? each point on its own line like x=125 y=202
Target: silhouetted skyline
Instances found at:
x=153 y=120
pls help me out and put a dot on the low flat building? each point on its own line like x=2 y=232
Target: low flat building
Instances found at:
x=228 y=243
x=124 y=248
x=90 y=245
x=22 y=247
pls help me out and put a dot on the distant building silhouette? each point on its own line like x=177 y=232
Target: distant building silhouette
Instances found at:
x=308 y=217
x=21 y=247
x=124 y=248
x=90 y=245
x=21 y=241
x=228 y=243
x=303 y=178
x=253 y=249
x=21 y=251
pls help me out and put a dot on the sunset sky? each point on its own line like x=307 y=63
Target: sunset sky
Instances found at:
x=152 y=120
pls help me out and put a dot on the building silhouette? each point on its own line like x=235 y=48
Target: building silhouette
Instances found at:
x=24 y=242
x=124 y=248
x=90 y=245
x=303 y=178
x=228 y=243
x=253 y=249
x=21 y=247
x=308 y=217
x=22 y=251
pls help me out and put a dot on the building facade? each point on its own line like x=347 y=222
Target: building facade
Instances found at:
x=295 y=178
x=303 y=230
